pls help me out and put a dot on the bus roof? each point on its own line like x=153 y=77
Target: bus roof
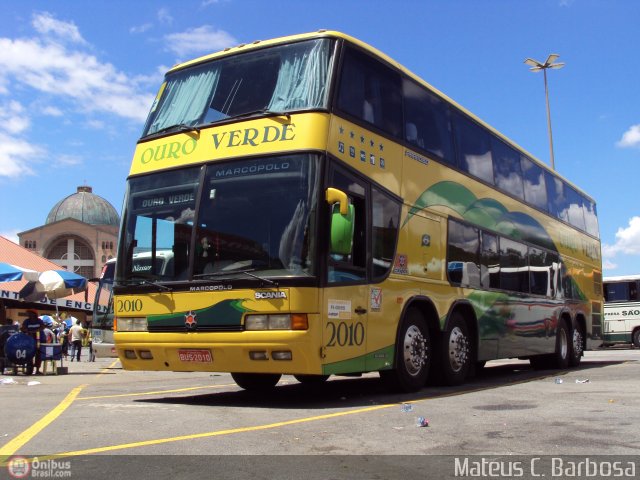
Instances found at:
x=622 y=278
x=259 y=44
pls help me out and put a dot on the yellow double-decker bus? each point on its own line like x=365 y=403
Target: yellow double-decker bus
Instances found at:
x=326 y=212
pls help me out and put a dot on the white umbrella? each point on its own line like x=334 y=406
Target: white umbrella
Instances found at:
x=53 y=284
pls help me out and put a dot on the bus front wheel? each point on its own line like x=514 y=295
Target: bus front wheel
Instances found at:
x=412 y=356
x=636 y=338
x=256 y=381
x=560 y=358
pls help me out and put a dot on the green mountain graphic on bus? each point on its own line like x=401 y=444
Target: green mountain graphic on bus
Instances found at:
x=226 y=313
x=484 y=212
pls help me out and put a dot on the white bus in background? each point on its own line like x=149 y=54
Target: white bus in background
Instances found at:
x=102 y=323
x=622 y=310
x=102 y=344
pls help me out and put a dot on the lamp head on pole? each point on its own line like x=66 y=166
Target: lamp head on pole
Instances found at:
x=537 y=66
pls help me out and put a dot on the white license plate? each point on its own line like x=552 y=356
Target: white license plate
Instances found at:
x=197 y=356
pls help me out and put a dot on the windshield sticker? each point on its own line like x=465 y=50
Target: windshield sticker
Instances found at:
x=400 y=265
x=376 y=299
x=339 y=309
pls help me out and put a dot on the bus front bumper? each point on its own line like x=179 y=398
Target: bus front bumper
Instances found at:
x=247 y=352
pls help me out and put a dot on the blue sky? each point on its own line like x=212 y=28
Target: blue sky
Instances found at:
x=76 y=84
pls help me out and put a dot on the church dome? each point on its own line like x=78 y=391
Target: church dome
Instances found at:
x=86 y=207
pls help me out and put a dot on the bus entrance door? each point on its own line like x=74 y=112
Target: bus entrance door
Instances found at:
x=344 y=316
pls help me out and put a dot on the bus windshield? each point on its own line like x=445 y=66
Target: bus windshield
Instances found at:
x=253 y=215
x=277 y=79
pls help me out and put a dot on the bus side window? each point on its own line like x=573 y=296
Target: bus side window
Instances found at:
x=462 y=258
x=633 y=291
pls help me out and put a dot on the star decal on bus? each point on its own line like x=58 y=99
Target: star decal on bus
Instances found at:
x=190 y=320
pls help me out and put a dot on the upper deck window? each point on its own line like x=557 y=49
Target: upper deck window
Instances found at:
x=474 y=148
x=427 y=123
x=281 y=79
x=370 y=91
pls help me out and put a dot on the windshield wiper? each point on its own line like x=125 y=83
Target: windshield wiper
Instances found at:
x=144 y=281
x=178 y=127
x=261 y=111
x=268 y=280
x=233 y=272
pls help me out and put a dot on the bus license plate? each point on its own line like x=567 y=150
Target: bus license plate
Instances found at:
x=199 y=356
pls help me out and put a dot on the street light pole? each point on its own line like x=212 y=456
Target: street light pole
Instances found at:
x=536 y=66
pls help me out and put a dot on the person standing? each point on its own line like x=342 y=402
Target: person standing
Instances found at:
x=76 y=333
x=32 y=326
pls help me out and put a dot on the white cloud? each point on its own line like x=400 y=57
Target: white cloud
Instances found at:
x=68 y=160
x=52 y=111
x=17 y=155
x=56 y=62
x=70 y=73
x=11 y=235
x=202 y=39
x=630 y=138
x=46 y=24
x=141 y=28
x=627 y=240
x=164 y=16
x=13 y=118
x=609 y=265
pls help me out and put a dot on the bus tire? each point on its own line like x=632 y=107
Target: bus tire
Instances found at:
x=412 y=356
x=456 y=351
x=560 y=358
x=636 y=338
x=311 y=379
x=576 y=346
x=256 y=381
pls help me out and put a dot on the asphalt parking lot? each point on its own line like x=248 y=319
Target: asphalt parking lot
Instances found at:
x=101 y=413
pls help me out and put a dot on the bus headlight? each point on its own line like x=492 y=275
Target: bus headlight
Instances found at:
x=294 y=321
x=132 y=324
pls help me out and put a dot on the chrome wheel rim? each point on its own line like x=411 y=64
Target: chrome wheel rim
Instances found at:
x=564 y=343
x=458 y=349
x=577 y=343
x=414 y=350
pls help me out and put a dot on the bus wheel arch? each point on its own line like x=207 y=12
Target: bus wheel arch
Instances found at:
x=413 y=349
x=458 y=352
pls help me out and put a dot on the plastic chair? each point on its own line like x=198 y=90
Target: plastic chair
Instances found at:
x=50 y=354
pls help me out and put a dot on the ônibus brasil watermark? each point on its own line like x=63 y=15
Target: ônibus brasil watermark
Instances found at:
x=21 y=467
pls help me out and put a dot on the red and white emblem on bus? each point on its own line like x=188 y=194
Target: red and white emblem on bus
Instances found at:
x=190 y=319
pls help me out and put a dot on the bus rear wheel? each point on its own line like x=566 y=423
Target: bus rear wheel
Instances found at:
x=256 y=381
x=576 y=346
x=456 y=351
x=412 y=356
x=636 y=338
